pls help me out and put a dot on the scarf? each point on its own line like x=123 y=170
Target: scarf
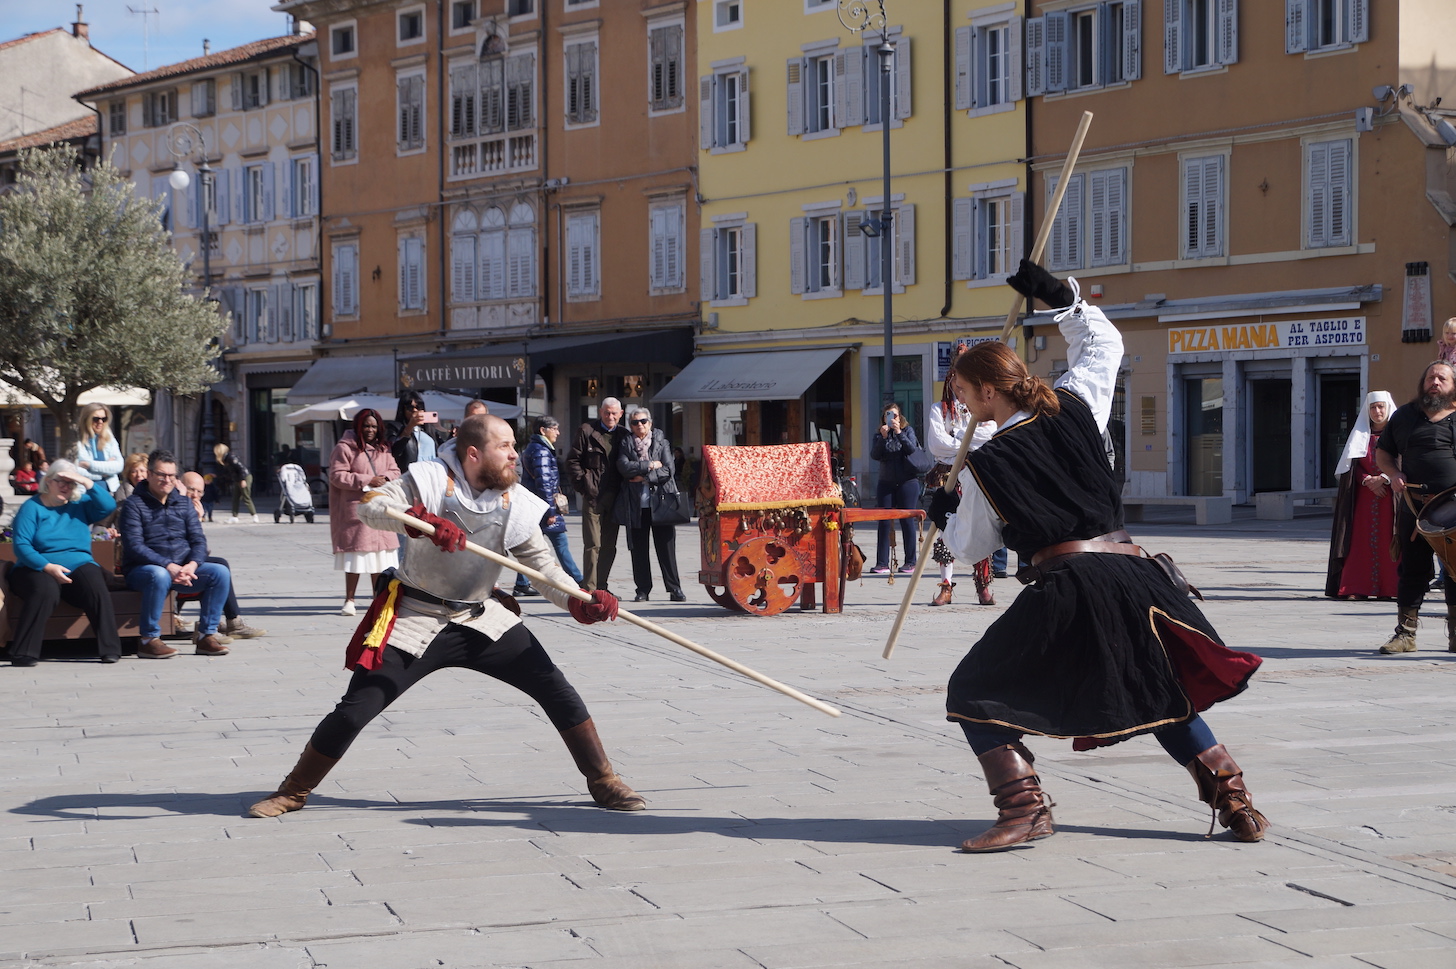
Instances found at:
x=643 y=445
x=1359 y=440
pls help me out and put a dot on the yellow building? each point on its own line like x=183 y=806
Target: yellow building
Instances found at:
x=790 y=162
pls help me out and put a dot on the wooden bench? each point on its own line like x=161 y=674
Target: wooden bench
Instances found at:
x=1207 y=509
x=1279 y=505
x=68 y=622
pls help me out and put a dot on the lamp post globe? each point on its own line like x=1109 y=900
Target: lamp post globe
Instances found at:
x=179 y=180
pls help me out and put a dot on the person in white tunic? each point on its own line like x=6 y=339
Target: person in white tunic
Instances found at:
x=943 y=432
x=439 y=610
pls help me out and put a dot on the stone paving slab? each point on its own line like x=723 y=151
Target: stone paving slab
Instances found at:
x=456 y=832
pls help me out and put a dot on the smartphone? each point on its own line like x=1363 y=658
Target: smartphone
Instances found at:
x=431 y=417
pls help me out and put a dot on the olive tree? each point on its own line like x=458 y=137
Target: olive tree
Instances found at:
x=91 y=292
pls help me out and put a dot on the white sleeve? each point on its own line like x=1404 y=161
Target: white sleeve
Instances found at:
x=974 y=531
x=1094 y=354
x=941 y=444
x=394 y=494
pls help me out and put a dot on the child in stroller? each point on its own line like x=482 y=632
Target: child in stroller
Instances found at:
x=294 y=496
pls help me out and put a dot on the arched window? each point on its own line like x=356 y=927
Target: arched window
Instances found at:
x=463 y=246
x=493 y=256
x=521 y=252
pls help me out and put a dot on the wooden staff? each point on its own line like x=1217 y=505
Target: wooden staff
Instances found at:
x=542 y=579
x=952 y=479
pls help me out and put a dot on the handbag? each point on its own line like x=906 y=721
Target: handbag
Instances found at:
x=920 y=461
x=670 y=507
x=563 y=506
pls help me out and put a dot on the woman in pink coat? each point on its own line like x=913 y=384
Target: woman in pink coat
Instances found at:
x=360 y=461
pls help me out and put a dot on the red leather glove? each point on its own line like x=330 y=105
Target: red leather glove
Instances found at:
x=448 y=537
x=603 y=606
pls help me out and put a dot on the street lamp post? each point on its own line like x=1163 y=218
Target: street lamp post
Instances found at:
x=858 y=16
x=182 y=138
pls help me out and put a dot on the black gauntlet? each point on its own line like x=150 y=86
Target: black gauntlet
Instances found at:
x=942 y=505
x=1033 y=281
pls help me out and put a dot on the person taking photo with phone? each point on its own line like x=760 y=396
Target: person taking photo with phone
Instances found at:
x=894 y=446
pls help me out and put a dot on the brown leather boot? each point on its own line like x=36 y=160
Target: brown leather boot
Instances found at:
x=292 y=794
x=1025 y=812
x=942 y=597
x=1221 y=785
x=607 y=789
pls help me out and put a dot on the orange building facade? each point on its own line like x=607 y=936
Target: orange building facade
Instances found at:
x=1264 y=210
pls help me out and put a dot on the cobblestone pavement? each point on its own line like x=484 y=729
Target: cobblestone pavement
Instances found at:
x=456 y=832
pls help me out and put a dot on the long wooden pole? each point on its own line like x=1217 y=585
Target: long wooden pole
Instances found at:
x=541 y=578
x=952 y=480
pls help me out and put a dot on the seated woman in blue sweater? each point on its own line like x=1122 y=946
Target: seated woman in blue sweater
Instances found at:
x=52 y=535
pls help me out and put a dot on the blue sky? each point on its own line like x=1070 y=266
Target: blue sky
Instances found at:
x=174 y=33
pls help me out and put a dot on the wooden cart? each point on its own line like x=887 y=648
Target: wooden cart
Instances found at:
x=772 y=524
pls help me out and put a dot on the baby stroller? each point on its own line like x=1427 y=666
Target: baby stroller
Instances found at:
x=294 y=496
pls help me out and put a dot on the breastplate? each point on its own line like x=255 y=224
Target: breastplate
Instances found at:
x=459 y=575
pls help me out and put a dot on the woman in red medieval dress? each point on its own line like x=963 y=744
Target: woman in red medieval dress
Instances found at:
x=1361 y=561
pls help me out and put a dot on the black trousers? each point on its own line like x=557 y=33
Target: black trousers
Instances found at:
x=1417 y=565
x=516 y=659
x=665 y=538
x=40 y=593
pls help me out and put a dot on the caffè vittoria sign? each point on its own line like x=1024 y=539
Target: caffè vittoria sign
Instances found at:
x=463 y=373
x=1335 y=332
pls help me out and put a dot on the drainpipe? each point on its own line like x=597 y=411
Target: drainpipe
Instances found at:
x=443 y=230
x=947 y=70
x=545 y=261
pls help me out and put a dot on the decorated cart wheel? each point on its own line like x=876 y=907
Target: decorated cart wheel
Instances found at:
x=764 y=576
x=723 y=597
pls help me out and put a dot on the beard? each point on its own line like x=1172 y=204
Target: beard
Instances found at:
x=1432 y=401
x=495 y=479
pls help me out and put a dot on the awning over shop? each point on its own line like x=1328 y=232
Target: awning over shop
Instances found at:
x=334 y=377
x=756 y=375
x=671 y=346
x=450 y=407
x=111 y=396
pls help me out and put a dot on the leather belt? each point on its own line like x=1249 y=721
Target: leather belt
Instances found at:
x=471 y=606
x=1115 y=543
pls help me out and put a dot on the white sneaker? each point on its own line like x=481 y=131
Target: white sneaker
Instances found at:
x=233 y=520
x=257 y=520
x=348 y=608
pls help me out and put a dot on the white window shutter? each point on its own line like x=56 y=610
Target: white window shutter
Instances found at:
x=236 y=83
x=1317 y=229
x=980 y=238
x=402 y=107
x=1339 y=181
x=1013 y=60
x=962 y=238
x=1056 y=52
x=1296 y=26
x=904 y=106
x=905 y=242
x=656 y=248
x=1132 y=40
x=676 y=248
x=1172 y=36
x=794 y=71
x=221 y=196
x=1228 y=31
x=964 y=44
x=491 y=281
x=841 y=89
x=749 y=272
x=1097 y=194
x=285 y=311
x=854 y=87
x=1359 y=21
x=707 y=253
x=462 y=269
x=593 y=234
x=854 y=253
x=706 y=115
x=240 y=197
x=1213 y=205
x=1035 y=56
x=267 y=214
x=272 y=326
x=1073 y=206
x=1117 y=217
x=1192 y=207
x=745 y=128
x=1018 y=229
x=313 y=185
x=798 y=243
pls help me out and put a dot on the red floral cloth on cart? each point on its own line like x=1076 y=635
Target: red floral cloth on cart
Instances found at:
x=748 y=478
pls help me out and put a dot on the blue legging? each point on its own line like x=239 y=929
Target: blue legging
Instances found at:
x=903 y=495
x=1182 y=741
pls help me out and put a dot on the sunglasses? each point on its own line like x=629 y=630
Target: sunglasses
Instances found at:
x=98 y=420
x=643 y=420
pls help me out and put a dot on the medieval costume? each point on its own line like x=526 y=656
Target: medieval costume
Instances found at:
x=438 y=611
x=1361 y=559
x=947 y=424
x=1101 y=645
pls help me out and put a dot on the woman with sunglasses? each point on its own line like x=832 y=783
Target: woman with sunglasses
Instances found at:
x=644 y=459
x=52 y=536
x=96 y=452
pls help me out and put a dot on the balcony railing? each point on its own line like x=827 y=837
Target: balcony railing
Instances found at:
x=493 y=155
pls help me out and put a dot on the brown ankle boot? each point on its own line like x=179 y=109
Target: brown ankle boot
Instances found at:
x=607 y=789
x=1221 y=786
x=292 y=794
x=942 y=598
x=1025 y=812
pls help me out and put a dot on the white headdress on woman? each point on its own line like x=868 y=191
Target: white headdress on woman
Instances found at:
x=1359 y=440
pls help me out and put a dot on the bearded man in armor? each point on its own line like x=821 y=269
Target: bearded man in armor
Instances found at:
x=440 y=610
